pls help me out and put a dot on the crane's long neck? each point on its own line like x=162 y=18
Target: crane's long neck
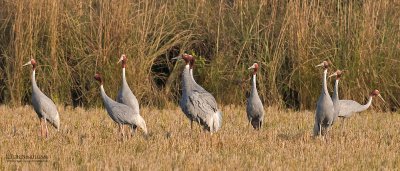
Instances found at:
x=123 y=75
x=254 y=84
x=103 y=94
x=324 y=84
x=366 y=106
x=335 y=96
x=191 y=75
x=34 y=85
x=186 y=80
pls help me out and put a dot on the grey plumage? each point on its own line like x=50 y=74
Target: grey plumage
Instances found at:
x=198 y=104
x=254 y=108
x=348 y=107
x=335 y=95
x=125 y=95
x=184 y=101
x=324 y=115
x=121 y=113
x=43 y=106
x=196 y=86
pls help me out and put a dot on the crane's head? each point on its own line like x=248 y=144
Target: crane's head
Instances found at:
x=123 y=59
x=324 y=64
x=141 y=124
x=375 y=93
x=31 y=62
x=97 y=77
x=186 y=57
x=254 y=67
x=338 y=74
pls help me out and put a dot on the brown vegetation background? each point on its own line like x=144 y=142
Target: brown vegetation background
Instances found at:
x=71 y=40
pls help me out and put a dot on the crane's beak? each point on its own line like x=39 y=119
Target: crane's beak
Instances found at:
x=334 y=74
x=252 y=67
x=177 y=58
x=120 y=59
x=381 y=98
x=320 y=65
x=28 y=63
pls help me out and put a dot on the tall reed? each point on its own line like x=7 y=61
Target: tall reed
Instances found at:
x=72 y=40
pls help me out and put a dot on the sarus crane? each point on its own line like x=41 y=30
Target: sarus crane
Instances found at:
x=43 y=106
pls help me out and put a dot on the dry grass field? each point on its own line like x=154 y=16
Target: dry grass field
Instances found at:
x=88 y=139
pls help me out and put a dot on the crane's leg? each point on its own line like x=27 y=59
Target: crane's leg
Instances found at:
x=320 y=129
x=47 y=130
x=41 y=127
x=326 y=135
x=122 y=131
x=251 y=126
x=128 y=134
x=198 y=123
x=342 y=124
x=191 y=124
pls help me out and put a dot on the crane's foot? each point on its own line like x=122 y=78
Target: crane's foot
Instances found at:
x=41 y=129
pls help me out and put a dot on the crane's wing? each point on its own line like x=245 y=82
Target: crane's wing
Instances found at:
x=348 y=107
x=122 y=113
x=208 y=98
x=45 y=108
x=254 y=108
x=126 y=97
x=183 y=103
x=203 y=106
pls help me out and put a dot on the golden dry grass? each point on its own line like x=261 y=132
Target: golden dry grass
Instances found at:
x=88 y=139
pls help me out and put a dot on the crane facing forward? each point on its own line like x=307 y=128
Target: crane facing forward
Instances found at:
x=324 y=114
x=121 y=113
x=196 y=103
x=43 y=106
x=349 y=107
x=255 y=109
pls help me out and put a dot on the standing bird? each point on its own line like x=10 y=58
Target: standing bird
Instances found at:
x=125 y=95
x=121 y=113
x=198 y=104
x=324 y=114
x=255 y=109
x=43 y=106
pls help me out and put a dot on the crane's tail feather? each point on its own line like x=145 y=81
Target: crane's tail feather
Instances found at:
x=217 y=121
x=55 y=121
